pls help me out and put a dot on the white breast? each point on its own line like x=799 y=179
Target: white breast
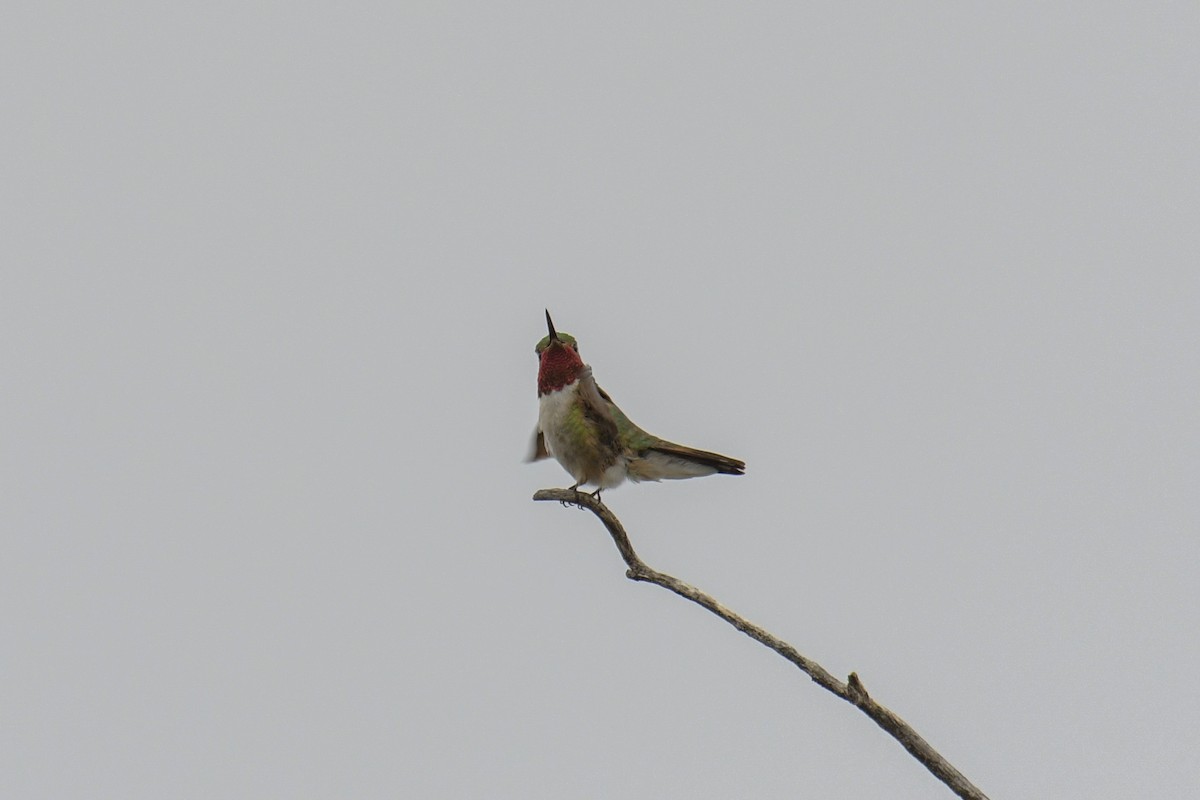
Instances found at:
x=553 y=408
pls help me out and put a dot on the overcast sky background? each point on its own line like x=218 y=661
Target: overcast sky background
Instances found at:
x=271 y=276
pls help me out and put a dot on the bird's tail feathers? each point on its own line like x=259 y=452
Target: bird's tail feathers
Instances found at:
x=666 y=460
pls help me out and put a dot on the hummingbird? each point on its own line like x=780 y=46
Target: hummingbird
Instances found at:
x=584 y=430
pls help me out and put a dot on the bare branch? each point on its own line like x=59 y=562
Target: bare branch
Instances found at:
x=852 y=691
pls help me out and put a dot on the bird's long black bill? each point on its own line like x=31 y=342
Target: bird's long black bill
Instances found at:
x=550 y=325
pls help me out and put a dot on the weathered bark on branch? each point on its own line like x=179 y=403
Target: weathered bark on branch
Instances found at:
x=852 y=690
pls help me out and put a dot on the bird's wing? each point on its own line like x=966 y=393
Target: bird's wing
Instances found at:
x=633 y=435
x=537 y=447
x=598 y=409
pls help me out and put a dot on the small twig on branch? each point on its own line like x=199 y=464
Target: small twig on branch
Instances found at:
x=852 y=691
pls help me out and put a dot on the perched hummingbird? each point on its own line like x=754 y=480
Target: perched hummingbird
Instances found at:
x=580 y=425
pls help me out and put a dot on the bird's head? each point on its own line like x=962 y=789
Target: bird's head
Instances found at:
x=559 y=363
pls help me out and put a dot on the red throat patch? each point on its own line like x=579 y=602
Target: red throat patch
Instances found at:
x=559 y=366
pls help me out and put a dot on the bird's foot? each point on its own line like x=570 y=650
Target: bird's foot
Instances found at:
x=574 y=489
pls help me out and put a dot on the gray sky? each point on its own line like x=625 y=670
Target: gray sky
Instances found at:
x=271 y=278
